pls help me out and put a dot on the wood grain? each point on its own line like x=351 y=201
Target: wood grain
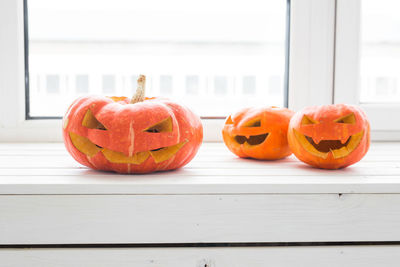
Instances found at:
x=104 y=219
x=48 y=169
x=354 y=256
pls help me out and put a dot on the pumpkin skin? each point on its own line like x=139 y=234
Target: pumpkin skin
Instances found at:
x=330 y=136
x=259 y=133
x=111 y=134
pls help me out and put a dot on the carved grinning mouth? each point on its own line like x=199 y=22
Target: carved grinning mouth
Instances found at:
x=85 y=146
x=252 y=139
x=159 y=155
x=327 y=145
x=324 y=147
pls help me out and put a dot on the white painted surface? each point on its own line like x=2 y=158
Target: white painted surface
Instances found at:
x=12 y=96
x=49 y=169
x=347 y=56
x=312 y=32
x=106 y=219
x=354 y=256
x=347 y=73
x=47 y=198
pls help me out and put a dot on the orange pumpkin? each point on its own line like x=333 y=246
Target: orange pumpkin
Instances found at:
x=259 y=133
x=140 y=135
x=329 y=137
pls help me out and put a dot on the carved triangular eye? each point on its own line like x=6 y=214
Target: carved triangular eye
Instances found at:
x=351 y=119
x=229 y=120
x=253 y=123
x=90 y=121
x=307 y=120
x=164 y=126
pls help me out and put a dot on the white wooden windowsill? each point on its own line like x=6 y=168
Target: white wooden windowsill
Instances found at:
x=30 y=168
x=47 y=198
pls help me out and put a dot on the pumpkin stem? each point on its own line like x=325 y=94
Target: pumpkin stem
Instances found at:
x=139 y=95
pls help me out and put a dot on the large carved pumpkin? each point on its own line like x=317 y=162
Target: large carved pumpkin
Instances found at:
x=331 y=136
x=137 y=135
x=259 y=133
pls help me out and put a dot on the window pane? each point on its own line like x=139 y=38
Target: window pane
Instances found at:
x=380 y=51
x=52 y=84
x=165 y=85
x=220 y=86
x=82 y=84
x=108 y=84
x=249 y=85
x=214 y=56
x=192 y=84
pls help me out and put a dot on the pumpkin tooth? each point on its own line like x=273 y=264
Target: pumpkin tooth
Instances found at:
x=317 y=139
x=355 y=139
x=344 y=139
x=308 y=146
x=118 y=157
x=340 y=153
x=166 y=152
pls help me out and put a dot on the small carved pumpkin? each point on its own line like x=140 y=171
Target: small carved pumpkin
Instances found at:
x=259 y=133
x=329 y=137
x=131 y=136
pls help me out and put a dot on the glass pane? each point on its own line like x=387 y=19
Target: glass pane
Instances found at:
x=380 y=51
x=214 y=56
x=82 y=84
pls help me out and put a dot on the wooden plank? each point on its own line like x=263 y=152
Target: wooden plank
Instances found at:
x=65 y=219
x=222 y=151
x=235 y=163
x=51 y=170
x=245 y=164
x=168 y=183
x=16 y=155
x=60 y=145
x=354 y=256
x=295 y=170
x=20 y=159
x=206 y=148
x=162 y=185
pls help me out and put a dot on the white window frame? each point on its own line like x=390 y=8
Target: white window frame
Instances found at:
x=311 y=69
x=347 y=73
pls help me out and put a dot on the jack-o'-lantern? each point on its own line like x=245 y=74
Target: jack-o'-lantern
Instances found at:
x=259 y=133
x=330 y=136
x=137 y=135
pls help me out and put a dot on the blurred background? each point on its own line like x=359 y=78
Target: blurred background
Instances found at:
x=215 y=56
x=212 y=55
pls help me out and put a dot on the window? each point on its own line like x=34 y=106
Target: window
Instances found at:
x=215 y=56
x=220 y=43
x=367 y=61
x=380 y=51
